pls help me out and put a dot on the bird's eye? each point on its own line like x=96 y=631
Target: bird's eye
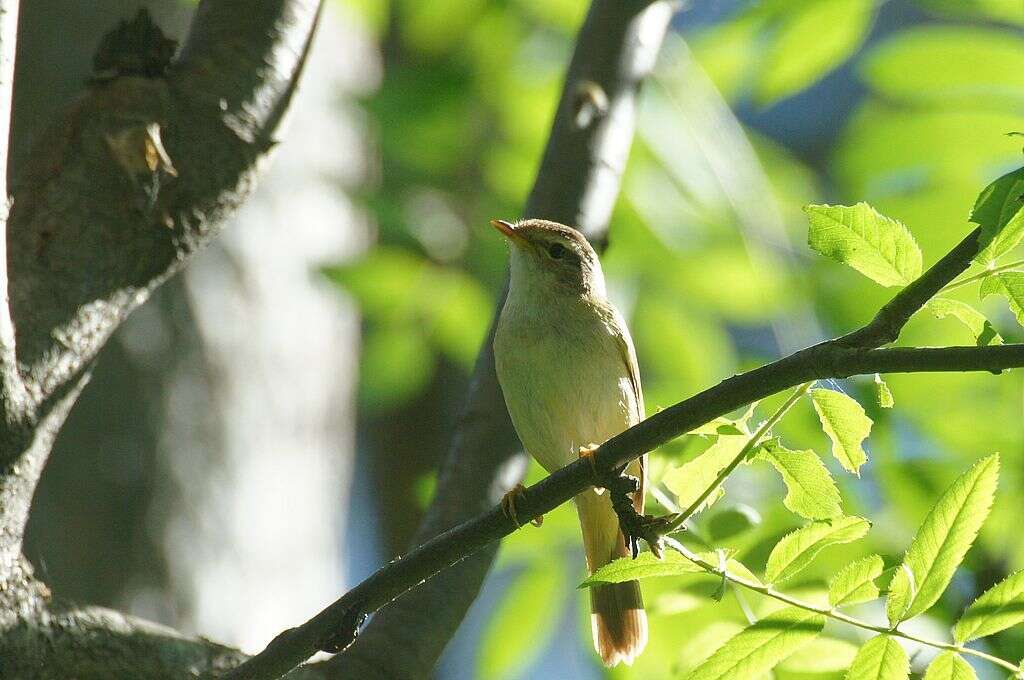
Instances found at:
x=556 y=251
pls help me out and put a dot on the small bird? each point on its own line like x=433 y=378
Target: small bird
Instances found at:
x=568 y=371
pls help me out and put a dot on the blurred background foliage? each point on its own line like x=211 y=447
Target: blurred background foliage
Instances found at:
x=757 y=109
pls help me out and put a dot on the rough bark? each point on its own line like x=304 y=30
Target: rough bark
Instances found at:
x=100 y=219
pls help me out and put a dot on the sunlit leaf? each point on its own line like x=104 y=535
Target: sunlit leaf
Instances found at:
x=855 y=582
x=523 y=622
x=1011 y=286
x=998 y=608
x=759 y=648
x=942 y=541
x=881 y=658
x=810 y=490
x=999 y=211
x=797 y=549
x=949 y=66
x=690 y=480
x=880 y=248
x=1000 y=10
x=846 y=424
x=949 y=666
x=810 y=41
x=646 y=565
x=981 y=329
x=883 y=395
x=824 y=655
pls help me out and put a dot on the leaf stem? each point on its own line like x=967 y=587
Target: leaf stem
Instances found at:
x=676 y=521
x=830 y=612
x=983 y=275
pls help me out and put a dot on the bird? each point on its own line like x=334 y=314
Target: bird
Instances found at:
x=568 y=372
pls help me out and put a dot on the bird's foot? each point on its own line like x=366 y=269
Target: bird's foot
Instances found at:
x=508 y=506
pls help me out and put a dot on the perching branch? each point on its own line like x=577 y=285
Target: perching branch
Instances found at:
x=832 y=612
x=577 y=183
x=854 y=354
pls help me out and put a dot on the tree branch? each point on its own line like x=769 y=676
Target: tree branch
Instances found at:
x=11 y=387
x=577 y=183
x=137 y=175
x=838 y=358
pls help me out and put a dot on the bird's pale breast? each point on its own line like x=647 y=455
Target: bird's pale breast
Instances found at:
x=565 y=382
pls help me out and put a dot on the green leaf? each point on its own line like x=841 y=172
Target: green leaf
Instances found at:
x=688 y=481
x=846 y=424
x=646 y=565
x=998 y=608
x=810 y=490
x=730 y=523
x=756 y=650
x=797 y=549
x=522 y=623
x=880 y=248
x=1011 y=286
x=999 y=211
x=811 y=41
x=855 y=582
x=942 y=541
x=949 y=66
x=824 y=655
x=881 y=658
x=949 y=666
x=983 y=332
x=883 y=395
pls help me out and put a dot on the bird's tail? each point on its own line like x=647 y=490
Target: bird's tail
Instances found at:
x=618 y=619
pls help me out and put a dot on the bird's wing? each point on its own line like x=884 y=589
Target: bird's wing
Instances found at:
x=625 y=344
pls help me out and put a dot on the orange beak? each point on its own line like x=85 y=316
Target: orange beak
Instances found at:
x=509 y=230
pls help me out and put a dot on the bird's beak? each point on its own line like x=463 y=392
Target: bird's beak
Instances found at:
x=509 y=230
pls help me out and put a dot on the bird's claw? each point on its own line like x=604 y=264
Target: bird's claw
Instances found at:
x=508 y=506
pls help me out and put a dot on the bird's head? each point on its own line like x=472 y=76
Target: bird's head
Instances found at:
x=553 y=256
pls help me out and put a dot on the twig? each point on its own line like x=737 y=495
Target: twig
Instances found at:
x=677 y=521
x=982 y=275
x=832 y=613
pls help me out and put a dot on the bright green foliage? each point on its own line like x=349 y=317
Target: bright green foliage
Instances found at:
x=689 y=480
x=757 y=649
x=823 y=655
x=855 y=583
x=646 y=565
x=942 y=541
x=522 y=623
x=881 y=658
x=880 y=248
x=414 y=309
x=797 y=549
x=846 y=424
x=998 y=608
x=983 y=331
x=949 y=65
x=810 y=490
x=883 y=395
x=1011 y=286
x=1000 y=212
x=949 y=666
x=810 y=42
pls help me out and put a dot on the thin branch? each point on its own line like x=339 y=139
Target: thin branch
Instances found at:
x=679 y=519
x=832 y=613
x=967 y=280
